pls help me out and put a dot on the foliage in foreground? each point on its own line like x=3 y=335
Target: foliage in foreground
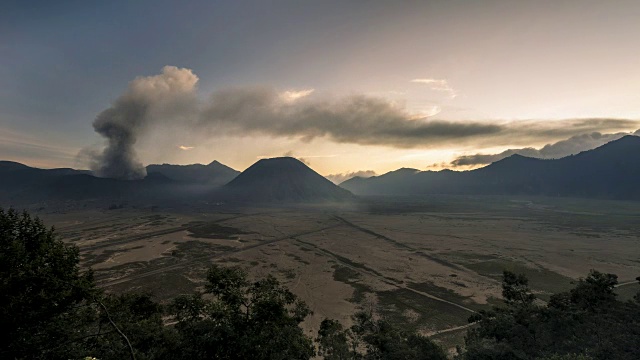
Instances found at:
x=52 y=310
x=42 y=292
x=49 y=309
x=242 y=320
x=378 y=337
x=587 y=322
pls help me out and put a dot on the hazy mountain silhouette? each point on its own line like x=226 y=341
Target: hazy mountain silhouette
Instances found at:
x=283 y=180
x=611 y=171
x=213 y=174
x=280 y=180
x=20 y=184
x=16 y=177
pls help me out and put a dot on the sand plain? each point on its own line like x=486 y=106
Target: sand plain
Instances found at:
x=426 y=263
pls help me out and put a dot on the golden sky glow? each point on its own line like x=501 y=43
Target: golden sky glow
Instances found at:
x=348 y=87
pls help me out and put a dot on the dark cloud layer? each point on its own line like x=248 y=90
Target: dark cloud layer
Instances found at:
x=168 y=101
x=570 y=146
x=355 y=119
x=368 y=120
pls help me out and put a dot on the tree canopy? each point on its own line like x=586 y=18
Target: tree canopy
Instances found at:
x=40 y=287
x=51 y=309
x=586 y=322
x=241 y=319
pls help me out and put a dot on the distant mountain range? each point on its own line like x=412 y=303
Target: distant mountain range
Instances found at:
x=611 y=171
x=20 y=184
x=279 y=180
x=213 y=174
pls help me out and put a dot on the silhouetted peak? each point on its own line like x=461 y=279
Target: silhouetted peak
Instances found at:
x=625 y=141
x=635 y=137
x=402 y=172
x=511 y=161
x=12 y=165
x=212 y=174
x=277 y=165
x=407 y=170
x=622 y=148
x=281 y=160
x=284 y=179
x=516 y=157
x=280 y=166
x=355 y=179
x=215 y=164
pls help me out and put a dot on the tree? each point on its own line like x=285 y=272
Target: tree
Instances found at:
x=374 y=338
x=515 y=290
x=50 y=309
x=387 y=342
x=595 y=292
x=137 y=316
x=567 y=357
x=41 y=288
x=241 y=319
x=335 y=342
x=587 y=322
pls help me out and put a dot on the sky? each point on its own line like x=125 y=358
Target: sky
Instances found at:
x=347 y=86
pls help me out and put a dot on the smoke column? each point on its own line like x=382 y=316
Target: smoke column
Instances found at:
x=168 y=102
x=147 y=101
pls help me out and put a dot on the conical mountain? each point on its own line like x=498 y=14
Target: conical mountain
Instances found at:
x=285 y=180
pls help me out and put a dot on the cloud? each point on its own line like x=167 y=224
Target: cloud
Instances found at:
x=33 y=150
x=342 y=177
x=304 y=160
x=169 y=102
x=437 y=85
x=354 y=119
x=291 y=96
x=368 y=120
x=570 y=146
x=153 y=99
x=186 y=148
x=438 y=166
x=428 y=112
x=437 y=82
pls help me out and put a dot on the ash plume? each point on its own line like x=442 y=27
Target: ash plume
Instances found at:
x=168 y=103
x=147 y=100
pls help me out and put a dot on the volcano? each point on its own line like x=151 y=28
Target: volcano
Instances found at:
x=283 y=180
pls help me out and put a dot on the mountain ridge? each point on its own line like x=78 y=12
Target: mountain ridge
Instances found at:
x=212 y=174
x=609 y=171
